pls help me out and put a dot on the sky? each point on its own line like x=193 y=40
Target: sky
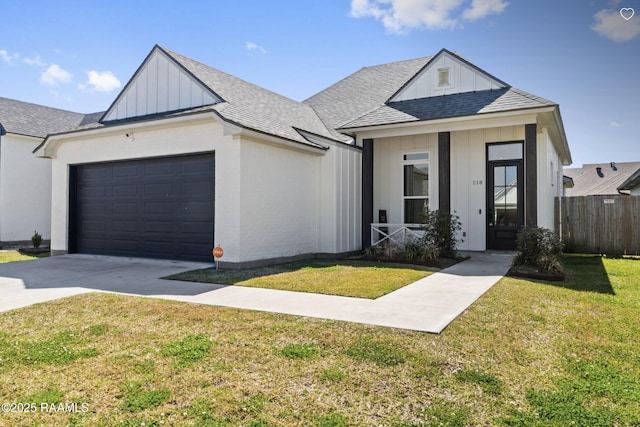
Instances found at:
x=584 y=55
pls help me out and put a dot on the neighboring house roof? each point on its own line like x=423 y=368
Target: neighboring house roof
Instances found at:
x=630 y=183
x=600 y=178
x=24 y=118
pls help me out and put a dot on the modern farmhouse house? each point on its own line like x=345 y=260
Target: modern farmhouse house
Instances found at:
x=188 y=157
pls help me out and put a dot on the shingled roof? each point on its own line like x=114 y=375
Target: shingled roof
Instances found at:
x=363 y=98
x=253 y=107
x=24 y=118
x=456 y=105
x=600 y=178
x=362 y=92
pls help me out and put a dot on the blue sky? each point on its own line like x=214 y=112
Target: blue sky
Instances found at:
x=584 y=55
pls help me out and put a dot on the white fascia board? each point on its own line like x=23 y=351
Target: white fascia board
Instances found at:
x=50 y=145
x=480 y=121
x=552 y=121
x=282 y=142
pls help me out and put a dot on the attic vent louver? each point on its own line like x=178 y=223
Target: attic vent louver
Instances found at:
x=599 y=172
x=443 y=77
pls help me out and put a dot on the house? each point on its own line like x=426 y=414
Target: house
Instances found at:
x=604 y=179
x=631 y=185
x=440 y=133
x=188 y=157
x=25 y=181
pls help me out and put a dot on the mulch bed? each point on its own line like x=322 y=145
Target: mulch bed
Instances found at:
x=440 y=263
x=34 y=251
x=534 y=272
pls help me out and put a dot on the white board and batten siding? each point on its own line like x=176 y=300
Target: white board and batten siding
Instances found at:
x=159 y=86
x=462 y=78
x=468 y=179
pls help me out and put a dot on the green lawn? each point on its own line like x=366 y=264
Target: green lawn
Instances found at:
x=361 y=279
x=11 y=256
x=527 y=353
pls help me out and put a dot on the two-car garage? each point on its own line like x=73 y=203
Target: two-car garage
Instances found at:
x=153 y=208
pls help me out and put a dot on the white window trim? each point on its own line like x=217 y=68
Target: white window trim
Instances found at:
x=403 y=163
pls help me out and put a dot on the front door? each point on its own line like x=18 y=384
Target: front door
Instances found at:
x=505 y=203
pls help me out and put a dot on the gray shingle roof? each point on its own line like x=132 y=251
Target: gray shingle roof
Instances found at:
x=587 y=182
x=254 y=107
x=457 y=105
x=363 y=91
x=28 y=119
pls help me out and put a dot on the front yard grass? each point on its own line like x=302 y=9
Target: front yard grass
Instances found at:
x=11 y=256
x=528 y=353
x=362 y=279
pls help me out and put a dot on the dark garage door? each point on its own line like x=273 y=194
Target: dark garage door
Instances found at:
x=151 y=208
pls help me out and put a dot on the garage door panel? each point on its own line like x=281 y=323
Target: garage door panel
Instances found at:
x=125 y=171
x=159 y=169
x=120 y=226
x=197 y=166
x=158 y=208
x=125 y=208
x=93 y=173
x=123 y=190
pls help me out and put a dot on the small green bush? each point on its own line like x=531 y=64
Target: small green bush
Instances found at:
x=36 y=239
x=441 y=233
x=539 y=247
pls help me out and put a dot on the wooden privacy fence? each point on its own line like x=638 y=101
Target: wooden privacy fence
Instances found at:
x=599 y=224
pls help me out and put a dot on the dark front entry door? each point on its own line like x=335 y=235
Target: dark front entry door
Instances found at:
x=505 y=203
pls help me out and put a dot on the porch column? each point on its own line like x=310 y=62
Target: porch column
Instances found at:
x=531 y=175
x=444 y=171
x=367 y=191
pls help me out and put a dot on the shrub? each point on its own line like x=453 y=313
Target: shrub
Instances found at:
x=539 y=247
x=441 y=234
x=36 y=239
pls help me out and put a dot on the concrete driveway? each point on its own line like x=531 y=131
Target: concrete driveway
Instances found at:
x=428 y=305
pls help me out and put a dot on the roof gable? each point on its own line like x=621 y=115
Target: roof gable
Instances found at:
x=447 y=74
x=160 y=85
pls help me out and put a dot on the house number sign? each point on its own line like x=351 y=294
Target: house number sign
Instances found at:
x=476 y=182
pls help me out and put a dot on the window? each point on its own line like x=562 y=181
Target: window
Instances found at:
x=511 y=151
x=443 y=77
x=416 y=186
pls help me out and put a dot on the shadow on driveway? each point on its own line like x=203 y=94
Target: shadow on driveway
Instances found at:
x=111 y=274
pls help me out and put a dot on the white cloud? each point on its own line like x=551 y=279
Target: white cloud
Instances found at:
x=8 y=58
x=398 y=16
x=481 y=8
x=615 y=124
x=253 y=47
x=610 y=24
x=54 y=75
x=34 y=61
x=103 y=81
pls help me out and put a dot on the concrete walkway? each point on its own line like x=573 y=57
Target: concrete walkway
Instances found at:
x=427 y=305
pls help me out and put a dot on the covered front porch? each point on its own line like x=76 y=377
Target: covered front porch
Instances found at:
x=464 y=172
